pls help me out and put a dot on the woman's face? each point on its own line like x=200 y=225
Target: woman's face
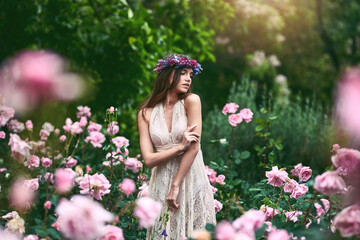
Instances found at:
x=185 y=80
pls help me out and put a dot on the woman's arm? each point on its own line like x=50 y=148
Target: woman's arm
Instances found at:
x=152 y=158
x=193 y=107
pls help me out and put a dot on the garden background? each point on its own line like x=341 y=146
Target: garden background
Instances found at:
x=282 y=59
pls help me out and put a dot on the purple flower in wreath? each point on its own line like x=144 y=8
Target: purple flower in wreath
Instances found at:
x=164 y=233
x=183 y=62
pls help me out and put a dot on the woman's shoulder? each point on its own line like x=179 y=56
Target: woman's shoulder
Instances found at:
x=145 y=112
x=191 y=99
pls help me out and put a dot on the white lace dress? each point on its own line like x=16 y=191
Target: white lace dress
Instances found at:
x=195 y=197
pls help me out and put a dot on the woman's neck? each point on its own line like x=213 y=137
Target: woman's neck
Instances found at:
x=171 y=99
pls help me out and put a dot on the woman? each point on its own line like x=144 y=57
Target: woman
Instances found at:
x=170 y=121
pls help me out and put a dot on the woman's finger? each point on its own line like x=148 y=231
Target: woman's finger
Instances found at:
x=189 y=129
x=194 y=134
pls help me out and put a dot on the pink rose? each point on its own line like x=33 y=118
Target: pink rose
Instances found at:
x=46 y=162
x=64 y=180
x=48 y=127
x=347 y=160
x=305 y=174
x=15 y=126
x=147 y=210
x=49 y=177
x=348 y=221
x=296 y=171
x=290 y=186
x=112 y=233
x=224 y=231
x=95 y=185
x=144 y=190
x=220 y=179
x=6 y=113
x=57 y=131
x=32 y=184
x=70 y=162
x=320 y=211
x=299 y=191
x=213 y=189
x=83 y=122
x=83 y=112
x=67 y=126
x=82 y=218
x=76 y=128
x=276 y=177
x=269 y=212
x=111 y=109
x=2 y=135
x=62 y=138
x=21 y=196
x=20 y=150
x=32 y=162
x=329 y=183
x=132 y=164
x=94 y=127
x=31 y=237
x=335 y=147
x=230 y=108
x=211 y=173
x=96 y=139
x=47 y=205
x=292 y=216
x=127 y=186
x=279 y=235
x=29 y=125
x=44 y=134
x=120 y=141
x=251 y=221
x=235 y=119
x=113 y=128
x=246 y=114
x=218 y=206
x=88 y=168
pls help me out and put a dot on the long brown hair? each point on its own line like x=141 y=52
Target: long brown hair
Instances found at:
x=162 y=86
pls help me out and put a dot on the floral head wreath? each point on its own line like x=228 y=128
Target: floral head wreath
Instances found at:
x=182 y=62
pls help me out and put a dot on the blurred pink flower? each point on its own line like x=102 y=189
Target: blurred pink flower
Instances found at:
x=2 y=135
x=305 y=174
x=347 y=161
x=88 y=168
x=269 y=212
x=32 y=162
x=348 y=97
x=32 y=184
x=67 y=126
x=147 y=210
x=280 y=234
x=94 y=127
x=20 y=150
x=33 y=77
x=83 y=122
x=335 y=147
x=111 y=109
x=20 y=195
x=276 y=177
x=329 y=183
x=83 y=111
x=320 y=211
x=296 y=171
x=348 y=221
x=213 y=189
x=31 y=237
x=15 y=126
x=47 y=204
x=96 y=139
x=290 y=186
x=224 y=231
x=29 y=125
x=246 y=114
x=44 y=134
x=299 y=191
x=81 y=218
x=251 y=221
x=220 y=179
x=57 y=131
x=113 y=128
x=75 y=128
x=64 y=180
x=62 y=138
x=6 y=113
x=49 y=177
x=230 y=108
x=46 y=162
x=127 y=186
x=120 y=141
x=132 y=164
x=48 y=127
x=70 y=162
x=112 y=233
x=235 y=119
x=211 y=173
x=95 y=185
x=218 y=206
x=292 y=216
x=144 y=190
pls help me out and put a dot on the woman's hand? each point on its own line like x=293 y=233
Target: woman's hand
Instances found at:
x=172 y=196
x=189 y=136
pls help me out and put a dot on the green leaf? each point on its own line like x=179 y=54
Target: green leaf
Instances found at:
x=259 y=128
x=263 y=110
x=272 y=118
x=245 y=155
x=259 y=121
